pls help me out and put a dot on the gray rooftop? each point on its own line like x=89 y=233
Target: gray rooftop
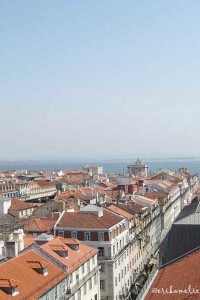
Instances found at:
x=44 y=237
x=190 y=215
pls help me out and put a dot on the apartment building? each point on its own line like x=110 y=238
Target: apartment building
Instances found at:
x=41 y=189
x=20 y=209
x=23 y=188
x=108 y=232
x=8 y=190
x=144 y=233
x=52 y=269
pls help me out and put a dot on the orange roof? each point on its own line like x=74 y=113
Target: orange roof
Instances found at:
x=121 y=211
x=37 y=264
x=28 y=240
x=88 y=220
x=180 y=274
x=59 y=248
x=70 y=241
x=107 y=184
x=8 y=283
x=112 y=194
x=39 y=224
x=155 y=195
x=82 y=194
x=17 y=204
x=31 y=285
x=74 y=258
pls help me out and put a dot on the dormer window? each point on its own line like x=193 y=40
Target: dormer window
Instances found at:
x=72 y=243
x=39 y=267
x=61 y=250
x=9 y=286
x=61 y=233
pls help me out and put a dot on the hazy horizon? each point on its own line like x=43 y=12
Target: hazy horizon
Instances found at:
x=99 y=79
x=101 y=159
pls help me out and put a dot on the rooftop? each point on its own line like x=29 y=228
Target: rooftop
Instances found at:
x=74 y=258
x=180 y=274
x=89 y=220
x=17 y=205
x=39 y=224
x=121 y=210
x=20 y=272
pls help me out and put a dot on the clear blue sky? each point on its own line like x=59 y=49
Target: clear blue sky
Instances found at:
x=99 y=78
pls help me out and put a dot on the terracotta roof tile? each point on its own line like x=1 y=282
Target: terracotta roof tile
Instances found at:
x=180 y=274
x=8 y=283
x=75 y=258
x=39 y=224
x=119 y=210
x=17 y=204
x=31 y=285
x=89 y=220
x=37 y=264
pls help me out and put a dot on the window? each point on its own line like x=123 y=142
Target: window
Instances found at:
x=102 y=268
x=74 y=234
x=113 y=249
x=115 y=281
x=88 y=266
x=95 y=278
x=102 y=285
x=101 y=236
x=101 y=251
x=60 y=233
x=119 y=277
x=63 y=287
x=90 y=284
x=48 y=297
x=56 y=293
x=87 y=236
x=83 y=268
x=77 y=276
x=71 y=278
x=85 y=289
